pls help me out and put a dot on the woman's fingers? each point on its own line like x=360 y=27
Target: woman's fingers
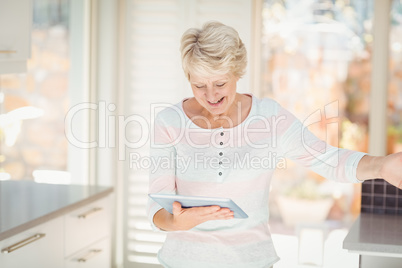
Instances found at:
x=208 y=210
x=223 y=215
x=219 y=214
x=177 y=209
x=202 y=211
x=187 y=218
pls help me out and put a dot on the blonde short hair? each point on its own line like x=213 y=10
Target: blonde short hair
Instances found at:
x=215 y=49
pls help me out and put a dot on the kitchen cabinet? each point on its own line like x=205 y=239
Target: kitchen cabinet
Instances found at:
x=15 y=35
x=87 y=225
x=87 y=231
x=64 y=225
x=79 y=239
x=38 y=247
x=96 y=255
x=368 y=261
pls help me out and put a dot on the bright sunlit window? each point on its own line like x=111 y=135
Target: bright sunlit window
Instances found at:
x=33 y=104
x=316 y=60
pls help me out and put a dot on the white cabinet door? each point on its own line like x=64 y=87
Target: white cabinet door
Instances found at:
x=86 y=225
x=96 y=255
x=15 y=34
x=38 y=247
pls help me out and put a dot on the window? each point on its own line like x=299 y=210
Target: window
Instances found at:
x=34 y=145
x=317 y=56
x=36 y=101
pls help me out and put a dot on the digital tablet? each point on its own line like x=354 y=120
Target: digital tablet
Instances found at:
x=166 y=201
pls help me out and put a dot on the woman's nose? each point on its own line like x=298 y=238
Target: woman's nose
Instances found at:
x=210 y=92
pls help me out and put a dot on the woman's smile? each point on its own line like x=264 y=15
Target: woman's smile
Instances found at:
x=216 y=103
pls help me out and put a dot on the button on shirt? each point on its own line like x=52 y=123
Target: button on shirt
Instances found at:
x=235 y=163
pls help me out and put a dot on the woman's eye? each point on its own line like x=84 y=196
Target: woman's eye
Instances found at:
x=199 y=86
x=221 y=85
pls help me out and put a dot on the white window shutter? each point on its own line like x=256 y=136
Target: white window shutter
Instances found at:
x=153 y=74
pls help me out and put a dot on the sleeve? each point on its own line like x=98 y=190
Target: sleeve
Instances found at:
x=162 y=172
x=297 y=143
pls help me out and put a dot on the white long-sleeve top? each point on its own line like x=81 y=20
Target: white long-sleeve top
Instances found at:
x=235 y=163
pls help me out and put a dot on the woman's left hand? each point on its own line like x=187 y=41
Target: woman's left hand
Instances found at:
x=391 y=169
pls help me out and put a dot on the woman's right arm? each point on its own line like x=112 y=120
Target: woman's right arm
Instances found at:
x=163 y=180
x=162 y=172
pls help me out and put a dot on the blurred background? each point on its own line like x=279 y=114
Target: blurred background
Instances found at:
x=123 y=56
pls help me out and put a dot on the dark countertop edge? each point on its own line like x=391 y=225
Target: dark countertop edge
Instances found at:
x=52 y=215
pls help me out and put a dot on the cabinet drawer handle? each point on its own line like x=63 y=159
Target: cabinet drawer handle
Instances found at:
x=7 y=51
x=89 y=213
x=22 y=243
x=91 y=254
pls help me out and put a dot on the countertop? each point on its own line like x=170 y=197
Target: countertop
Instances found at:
x=373 y=234
x=25 y=204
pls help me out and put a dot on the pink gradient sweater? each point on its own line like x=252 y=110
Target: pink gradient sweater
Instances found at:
x=235 y=163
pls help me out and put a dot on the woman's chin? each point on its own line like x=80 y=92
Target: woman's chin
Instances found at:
x=216 y=110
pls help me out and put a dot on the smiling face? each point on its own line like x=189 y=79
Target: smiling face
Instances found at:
x=215 y=94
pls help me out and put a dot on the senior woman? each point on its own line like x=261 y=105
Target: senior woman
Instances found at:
x=219 y=142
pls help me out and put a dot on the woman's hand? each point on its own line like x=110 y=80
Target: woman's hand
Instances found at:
x=184 y=219
x=188 y=218
x=391 y=169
